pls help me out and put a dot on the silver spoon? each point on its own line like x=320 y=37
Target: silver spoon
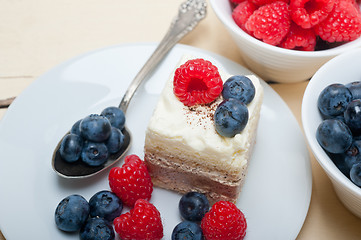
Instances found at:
x=190 y=13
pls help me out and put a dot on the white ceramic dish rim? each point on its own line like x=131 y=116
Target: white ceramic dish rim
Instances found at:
x=320 y=155
x=228 y=21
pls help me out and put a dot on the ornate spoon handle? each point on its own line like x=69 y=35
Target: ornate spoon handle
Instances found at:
x=190 y=13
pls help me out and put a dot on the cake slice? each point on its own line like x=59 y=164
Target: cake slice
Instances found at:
x=184 y=152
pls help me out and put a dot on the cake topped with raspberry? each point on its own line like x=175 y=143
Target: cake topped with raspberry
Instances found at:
x=202 y=131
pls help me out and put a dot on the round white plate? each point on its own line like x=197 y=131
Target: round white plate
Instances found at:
x=277 y=191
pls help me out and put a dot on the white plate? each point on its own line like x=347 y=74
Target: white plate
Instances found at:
x=277 y=191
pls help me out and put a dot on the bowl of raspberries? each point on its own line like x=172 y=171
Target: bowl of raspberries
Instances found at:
x=331 y=118
x=289 y=40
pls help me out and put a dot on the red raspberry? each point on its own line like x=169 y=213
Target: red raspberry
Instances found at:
x=264 y=2
x=270 y=22
x=197 y=81
x=242 y=12
x=299 y=39
x=142 y=222
x=237 y=1
x=308 y=13
x=131 y=181
x=357 y=4
x=223 y=222
x=342 y=24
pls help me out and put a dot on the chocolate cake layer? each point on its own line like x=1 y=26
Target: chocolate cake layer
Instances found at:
x=171 y=173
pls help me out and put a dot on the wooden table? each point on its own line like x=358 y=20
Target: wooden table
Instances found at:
x=37 y=35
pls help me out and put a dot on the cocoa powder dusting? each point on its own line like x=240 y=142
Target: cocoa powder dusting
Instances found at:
x=200 y=114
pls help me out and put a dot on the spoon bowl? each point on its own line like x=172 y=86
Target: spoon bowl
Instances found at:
x=79 y=169
x=190 y=13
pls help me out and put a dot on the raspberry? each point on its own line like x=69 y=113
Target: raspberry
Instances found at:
x=242 y=12
x=264 y=2
x=308 y=13
x=141 y=222
x=223 y=222
x=342 y=24
x=197 y=81
x=357 y=4
x=131 y=181
x=237 y=1
x=270 y=22
x=299 y=39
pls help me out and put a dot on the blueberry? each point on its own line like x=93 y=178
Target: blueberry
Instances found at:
x=230 y=117
x=95 y=128
x=355 y=89
x=115 y=140
x=334 y=136
x=357 y=137
x=353 y=154
x=75 y=129
x=352 y=116
x=115 y=116
x=239 y=87
x=355 y=174
x=105 y=204
x=97 y=229
x=339 y=161
x=187 y=231
x=334 y=99
x=71 y=147
x=71 y=213
x=339 y=117
x=193 y=206
x=94 y=154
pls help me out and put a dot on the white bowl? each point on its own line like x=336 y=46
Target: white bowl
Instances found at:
x=274 y=63
x=343 y=69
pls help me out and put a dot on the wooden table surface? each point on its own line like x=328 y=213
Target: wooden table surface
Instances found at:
x=37 y=35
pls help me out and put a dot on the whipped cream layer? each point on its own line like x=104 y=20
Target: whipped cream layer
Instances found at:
x=190 y=131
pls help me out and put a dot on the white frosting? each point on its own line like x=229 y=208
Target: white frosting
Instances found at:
x=191 y=131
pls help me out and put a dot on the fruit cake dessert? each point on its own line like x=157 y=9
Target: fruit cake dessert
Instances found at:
x=202 y=131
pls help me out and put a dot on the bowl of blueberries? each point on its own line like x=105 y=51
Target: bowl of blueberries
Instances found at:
x=331 y=118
